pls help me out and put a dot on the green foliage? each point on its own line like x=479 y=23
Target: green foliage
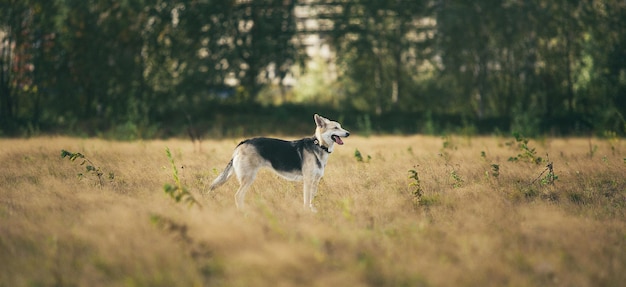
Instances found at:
x=153 y=59
x=527 y=153
x=178 y=191
x=457 y=181
x=359 y=157
x=549 y=177
x=416 y=187
x=90 y=167
x=448 y=143
x=466 y=62
x=495 y=170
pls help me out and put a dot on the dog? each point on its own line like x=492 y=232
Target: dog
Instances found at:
x=298 y=160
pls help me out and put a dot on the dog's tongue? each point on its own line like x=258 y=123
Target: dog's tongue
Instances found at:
x=338 y=140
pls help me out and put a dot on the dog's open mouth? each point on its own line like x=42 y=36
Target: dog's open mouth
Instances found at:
x=337 y=139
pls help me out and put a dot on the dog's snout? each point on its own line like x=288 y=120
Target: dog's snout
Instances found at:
x=347 y=133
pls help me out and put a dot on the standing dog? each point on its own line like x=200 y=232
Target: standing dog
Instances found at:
x=299 y=160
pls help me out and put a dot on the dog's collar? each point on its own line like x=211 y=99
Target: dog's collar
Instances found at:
x=317 y=142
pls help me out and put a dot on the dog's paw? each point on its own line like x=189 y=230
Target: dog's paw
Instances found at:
x=313 y=209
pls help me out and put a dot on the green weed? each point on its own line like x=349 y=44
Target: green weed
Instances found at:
x=416 y=186
x=178 y=191
x=549 y=178
x=495 y=170
x=448 y=143
x=526 y=153
x=457 y=180
x=359 y=157
x=90 y=167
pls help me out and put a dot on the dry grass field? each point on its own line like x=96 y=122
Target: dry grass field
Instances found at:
x=464 y=216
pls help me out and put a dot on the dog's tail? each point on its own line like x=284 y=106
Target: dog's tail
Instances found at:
x=223 y=177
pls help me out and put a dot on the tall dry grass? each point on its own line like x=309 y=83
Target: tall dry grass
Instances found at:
x=470 y=226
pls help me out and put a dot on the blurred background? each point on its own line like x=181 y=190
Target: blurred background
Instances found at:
x=131 y=69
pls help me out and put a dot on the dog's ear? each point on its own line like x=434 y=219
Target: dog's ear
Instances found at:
x=319 y=121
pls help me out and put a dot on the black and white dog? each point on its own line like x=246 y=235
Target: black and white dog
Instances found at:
x=299 y=160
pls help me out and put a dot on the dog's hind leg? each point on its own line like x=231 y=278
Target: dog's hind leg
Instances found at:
x=246 y=174
x=241 y=192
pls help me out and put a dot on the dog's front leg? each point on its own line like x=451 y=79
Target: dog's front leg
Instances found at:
x=310 y=189
x=306 y=194
x=314 y=186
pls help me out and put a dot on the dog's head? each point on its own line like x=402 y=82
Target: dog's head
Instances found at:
x=329 y=132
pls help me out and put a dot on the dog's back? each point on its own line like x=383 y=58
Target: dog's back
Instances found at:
x=283 y=155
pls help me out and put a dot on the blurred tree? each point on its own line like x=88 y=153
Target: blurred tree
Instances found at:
x=489 y=48
x=104 y=63
x=380 y=45
x=27 y=48
x=604 y=79
x=97 y=65
x=248 y=41
x=530 y=58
